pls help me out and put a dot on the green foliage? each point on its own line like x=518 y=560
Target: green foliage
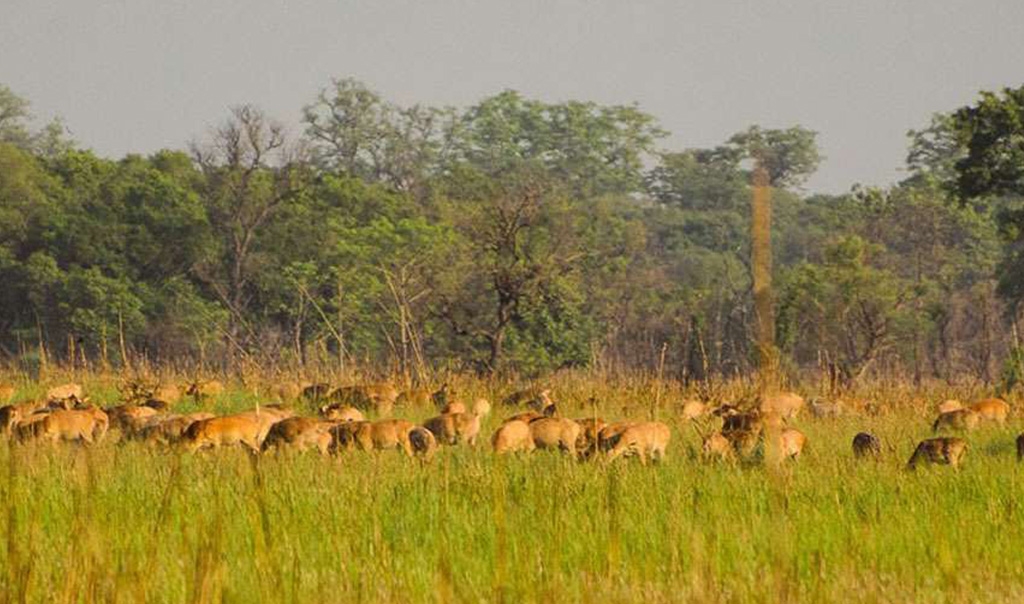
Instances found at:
x=515 y=234
x=96 y=307
x=357 y=133
x=515 y=274
x=1013 y=370
x=935 y=151
x=699 y=180
x=13 y=118
x=182 y=322
x=990 y=169
x=844 y=307
x=49 y=142
x=993 y=134
x=593 y=150
x=790 y=156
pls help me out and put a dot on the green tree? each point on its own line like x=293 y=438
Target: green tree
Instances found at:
x=992 y=131
x=935 y=150
x=14 y=116
x=844 y=308
x=699 y=180
x=592 y=149
x=356 y=132
x=788 y=156
x=30 y=211
x=348 y=124
x=49 y=142
x=518 y=250
x=991 y=170
x=946 y=254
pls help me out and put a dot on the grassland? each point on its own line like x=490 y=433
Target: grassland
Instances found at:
x=122 y=522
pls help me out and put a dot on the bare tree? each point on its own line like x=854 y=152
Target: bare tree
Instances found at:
x=251 y=172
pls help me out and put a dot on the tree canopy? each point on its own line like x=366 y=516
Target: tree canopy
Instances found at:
x=514 y=234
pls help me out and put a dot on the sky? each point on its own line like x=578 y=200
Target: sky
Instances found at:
x=141 y=75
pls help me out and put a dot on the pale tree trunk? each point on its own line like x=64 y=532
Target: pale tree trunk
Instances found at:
x=761 y=273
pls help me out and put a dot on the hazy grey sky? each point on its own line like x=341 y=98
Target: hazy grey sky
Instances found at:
x=139 y=75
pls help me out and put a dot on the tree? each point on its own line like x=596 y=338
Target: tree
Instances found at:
x=991 y=170
x=354 y=131
x=250 y=173
x=761 y=272
x=417 y=147
x=514 y=235
x=518 y=246
x=53 y=140
x=699 y=180
x=781 y=158
x=593 y=149
x=788 y=156
x=935 y=150
x=29 y=212
x=844 y=308
x=380 y=257
x=701 y=240
x=14 y=116
x=944 y=254
x=993 y=134
x=348 y=124
x=49 y=142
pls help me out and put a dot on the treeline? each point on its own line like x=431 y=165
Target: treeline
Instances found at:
x=511 y=235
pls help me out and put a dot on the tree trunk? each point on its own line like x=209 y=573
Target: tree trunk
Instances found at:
x=761 y=273
x=495 y=357
x=497 y=337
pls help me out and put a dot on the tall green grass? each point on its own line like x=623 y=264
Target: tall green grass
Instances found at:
x=123 y=522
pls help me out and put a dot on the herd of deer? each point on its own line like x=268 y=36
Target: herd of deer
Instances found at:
x=759 y=431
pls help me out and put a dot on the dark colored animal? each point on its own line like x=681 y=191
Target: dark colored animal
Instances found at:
x=948 y=451
x=865 y=444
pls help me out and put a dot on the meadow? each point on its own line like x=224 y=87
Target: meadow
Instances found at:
x=124 y=522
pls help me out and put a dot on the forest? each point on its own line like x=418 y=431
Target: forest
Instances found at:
x=514 y=236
